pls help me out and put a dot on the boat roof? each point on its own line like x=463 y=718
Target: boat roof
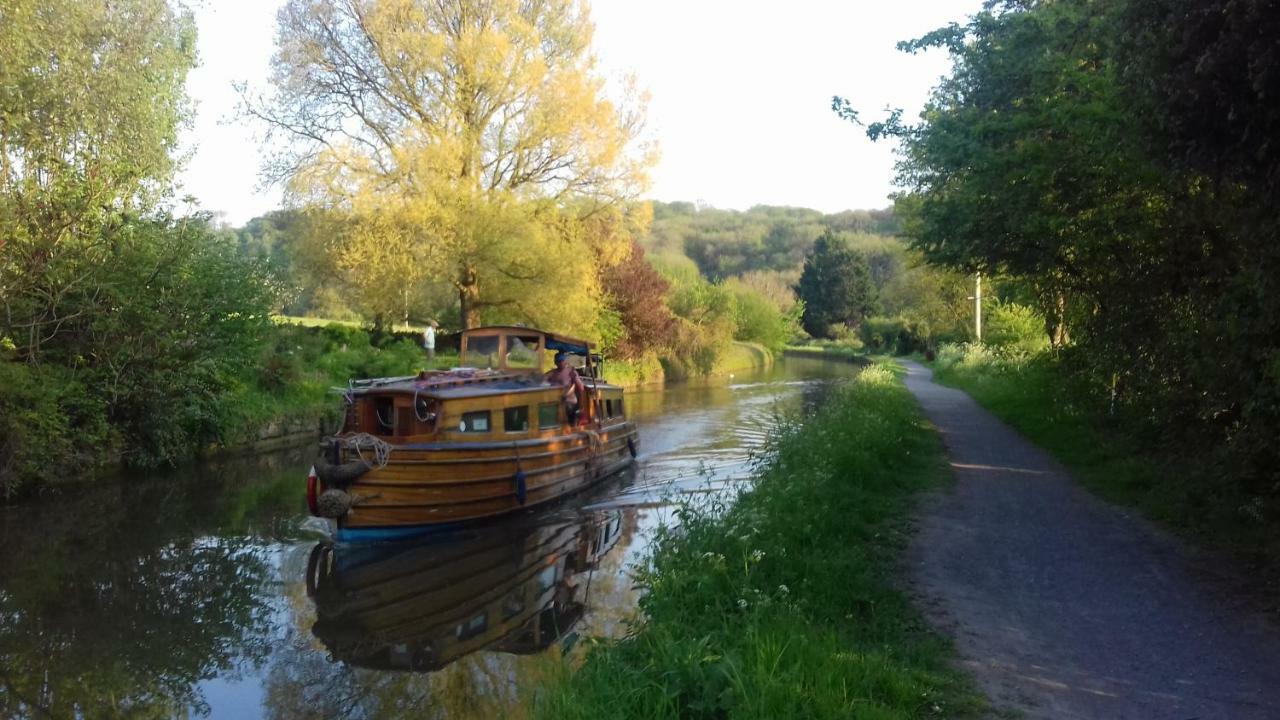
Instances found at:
x=460 y=383
x=554 y=341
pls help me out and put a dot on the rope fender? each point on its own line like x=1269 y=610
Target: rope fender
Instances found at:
x=334 y=474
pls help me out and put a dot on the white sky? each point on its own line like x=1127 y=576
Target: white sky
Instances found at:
x=740 y=96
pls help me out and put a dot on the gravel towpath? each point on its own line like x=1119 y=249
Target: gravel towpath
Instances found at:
x=1064 y=606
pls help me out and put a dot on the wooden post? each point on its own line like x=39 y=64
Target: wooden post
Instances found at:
x=977 y=308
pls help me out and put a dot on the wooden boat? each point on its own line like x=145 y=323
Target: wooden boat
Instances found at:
x=420 y=605
x=479 y=441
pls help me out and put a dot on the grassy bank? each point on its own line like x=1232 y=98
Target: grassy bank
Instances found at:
x=827 y=350
x=786 y=604
x=634 y=373
x=1108 y=454
x=743 y=356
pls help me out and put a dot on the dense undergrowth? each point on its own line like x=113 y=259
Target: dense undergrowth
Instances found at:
x=785 y=604
x=60 y=426
x=1114 y=451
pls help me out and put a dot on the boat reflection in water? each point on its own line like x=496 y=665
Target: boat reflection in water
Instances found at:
x=422 y=605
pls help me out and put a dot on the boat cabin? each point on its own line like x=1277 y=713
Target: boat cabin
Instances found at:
x=497 y=394
x=523 y=350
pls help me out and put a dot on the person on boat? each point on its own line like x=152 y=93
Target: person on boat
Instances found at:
x=429 y=341
x=572 y=389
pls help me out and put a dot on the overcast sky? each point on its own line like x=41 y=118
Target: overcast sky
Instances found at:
x=740 y=96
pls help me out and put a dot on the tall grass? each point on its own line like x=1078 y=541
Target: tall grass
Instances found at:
x=786 y=604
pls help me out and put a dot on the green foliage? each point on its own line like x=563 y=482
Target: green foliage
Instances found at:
x=202 y=308
x=728 y=243
x=153 y=346
x=639 y=288
x=758 y=319
x=704 y=313
x=743 y=619
x=836 y=287
x=51 y=428
x=85 y=142
x=842 y=349
x=1114 y=160
x=632 y=373
x=1014 y=328
x=896 y=335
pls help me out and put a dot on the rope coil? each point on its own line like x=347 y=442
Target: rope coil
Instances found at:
x=379 y=449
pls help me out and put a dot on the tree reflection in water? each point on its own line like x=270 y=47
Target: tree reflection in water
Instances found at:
x=118 y=601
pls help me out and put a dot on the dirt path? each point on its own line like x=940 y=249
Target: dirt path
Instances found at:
x=1063 y=606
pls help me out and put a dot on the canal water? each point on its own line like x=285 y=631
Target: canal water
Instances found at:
x=209 y=592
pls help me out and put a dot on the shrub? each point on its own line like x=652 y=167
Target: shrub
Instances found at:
x=965 y=355
x=758 y=319
x=898 y=335
x=1016 y=329
x=52 y=428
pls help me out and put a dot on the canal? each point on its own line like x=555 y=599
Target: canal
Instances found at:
x=208 y=592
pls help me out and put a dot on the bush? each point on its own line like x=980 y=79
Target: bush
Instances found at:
x=52 y=429
x=896 y=335
x=704 y=326
x=341 y=335
x=965 y=355
x=1016 y=329
x=757 y=319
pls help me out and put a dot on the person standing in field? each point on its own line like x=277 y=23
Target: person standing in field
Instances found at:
x=429 y=341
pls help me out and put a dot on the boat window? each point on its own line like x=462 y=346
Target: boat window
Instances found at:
x=473 y=627
x=522 y=351
x=384 y=408
x=608 y=408
x=617 y=405
x=516 y=419
x=512 y=606
x=548 y=415
x=482 y=352
x=547 y=578
x=475 y=422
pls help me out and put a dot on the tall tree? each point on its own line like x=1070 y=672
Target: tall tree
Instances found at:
x=835 y=286
x=473 y=131
x=1120 y=158
x=1028 y=160
x=86 y=137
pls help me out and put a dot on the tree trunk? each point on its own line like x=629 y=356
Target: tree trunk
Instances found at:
x=379 y=323
x=469 y=297
x=1057 y=321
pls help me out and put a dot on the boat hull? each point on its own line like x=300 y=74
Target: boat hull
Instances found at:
x=427 y=487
